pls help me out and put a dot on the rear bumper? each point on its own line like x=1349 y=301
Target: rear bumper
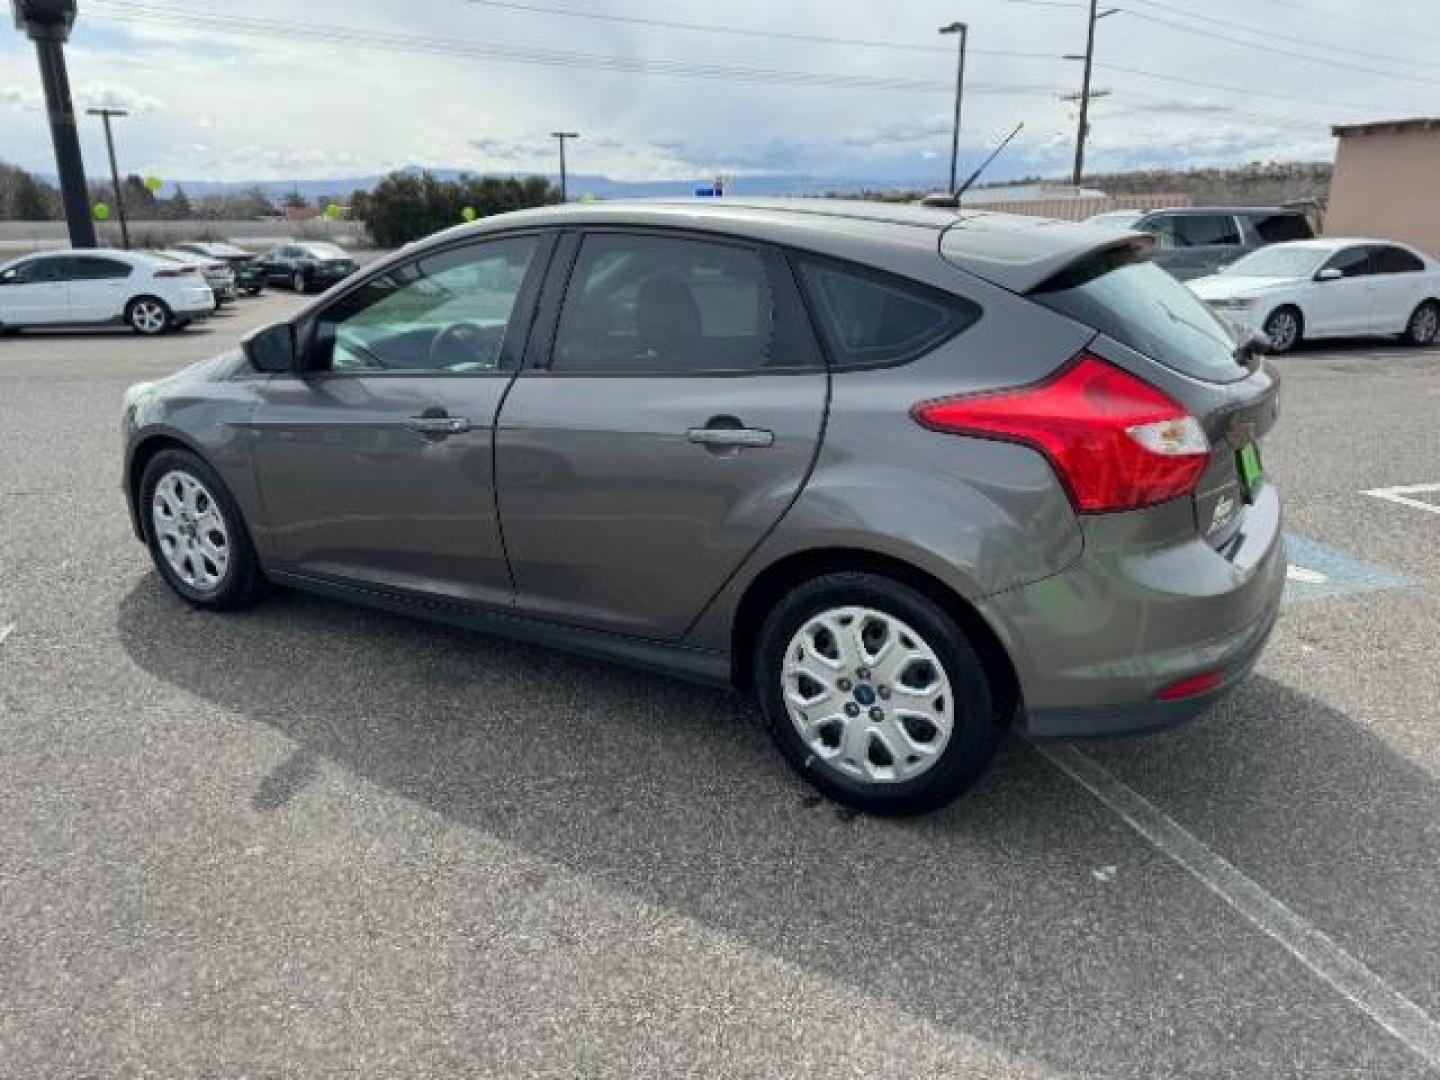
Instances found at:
x=1094 y=645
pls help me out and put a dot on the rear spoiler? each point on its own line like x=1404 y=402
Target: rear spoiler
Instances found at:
x=1125 y=252
x=1022 y=254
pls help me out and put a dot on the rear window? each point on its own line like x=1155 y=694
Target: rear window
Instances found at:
x=1120 y=294
x=870 y=318
x=1394 y=260
x=1277 y=228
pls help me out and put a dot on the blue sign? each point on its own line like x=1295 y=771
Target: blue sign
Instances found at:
x=710 y=191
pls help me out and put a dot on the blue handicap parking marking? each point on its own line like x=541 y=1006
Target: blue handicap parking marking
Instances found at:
x=1319 y=572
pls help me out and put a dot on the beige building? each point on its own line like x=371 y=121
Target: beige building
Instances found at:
x=1387 y=182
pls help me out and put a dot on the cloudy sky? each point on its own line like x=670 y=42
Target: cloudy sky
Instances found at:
x=850 y=89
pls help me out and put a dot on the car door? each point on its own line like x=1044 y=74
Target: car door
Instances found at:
x=99 y=288
x=1399 y=287
x=1342 y=305
x=275 y=263
x=36 y=292
x=375 y=462
x=667 y=416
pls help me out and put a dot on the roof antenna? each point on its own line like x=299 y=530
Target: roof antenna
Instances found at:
x=939 y=199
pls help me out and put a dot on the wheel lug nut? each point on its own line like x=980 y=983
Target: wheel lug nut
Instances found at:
x=852 y=709
x=884 y=693
x=844 y=685
x=877 y=714
x=863 y=674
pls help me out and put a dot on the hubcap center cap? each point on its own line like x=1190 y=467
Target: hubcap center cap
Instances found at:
x=865 y=694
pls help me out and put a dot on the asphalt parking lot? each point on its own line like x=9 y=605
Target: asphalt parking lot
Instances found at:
x=311 y=839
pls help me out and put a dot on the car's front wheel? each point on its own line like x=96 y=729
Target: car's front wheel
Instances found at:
x=1285 y=327
x=875 y=694
x=149 y=315
x=196 y=533
x=1424 y=325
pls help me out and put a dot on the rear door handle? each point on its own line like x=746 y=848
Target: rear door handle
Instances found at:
x=724 y=437
x=439 y=425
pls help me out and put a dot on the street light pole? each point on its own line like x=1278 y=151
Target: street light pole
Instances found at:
x=105 y=115
x=963 y=31
x=48 y=23
x=561 y=136
x=1085 y=95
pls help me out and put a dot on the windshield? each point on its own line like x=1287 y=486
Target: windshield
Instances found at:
x=1277 y=262
x=1119 y=293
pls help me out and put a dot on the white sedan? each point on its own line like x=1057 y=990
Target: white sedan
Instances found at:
x=99 y=287
x=1308 y=289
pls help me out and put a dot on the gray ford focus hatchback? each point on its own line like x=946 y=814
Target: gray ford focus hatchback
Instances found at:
x=911 y=477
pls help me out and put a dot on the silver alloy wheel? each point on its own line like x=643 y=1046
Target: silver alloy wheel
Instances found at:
x=1425 y=324
x=868 y=695
x=190 y=530
x=1283 y=329
x=148 y=316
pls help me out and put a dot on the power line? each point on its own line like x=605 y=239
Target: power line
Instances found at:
x=271 y=29
x=1273 y=52
x=1290 y=39
x=1369 y=24
x=745 y=31
x=1307 y=99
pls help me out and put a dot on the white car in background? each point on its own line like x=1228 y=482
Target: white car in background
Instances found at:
x=1310 y=289
x=98 y=287
x=217 y=273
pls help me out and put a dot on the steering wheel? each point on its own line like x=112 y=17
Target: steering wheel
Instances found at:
x=463 y=344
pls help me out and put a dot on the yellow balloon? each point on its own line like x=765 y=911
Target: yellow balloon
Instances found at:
x=154 y=183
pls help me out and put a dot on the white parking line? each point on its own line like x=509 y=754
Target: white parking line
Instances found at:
x=5 y=632
x=1359 y=985
x=1401 y=495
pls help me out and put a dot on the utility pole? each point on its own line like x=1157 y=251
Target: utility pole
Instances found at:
x=964 y=32
x=105 y=115
x=1085 y=93
x=561 y=136
x=47 y=23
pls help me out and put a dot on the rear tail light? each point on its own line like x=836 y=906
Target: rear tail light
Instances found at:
x=1117 y=443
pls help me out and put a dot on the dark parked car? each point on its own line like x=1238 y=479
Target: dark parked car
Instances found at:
x=304 y=265
x=1197 y=240
x=908 y=476
x=249 y=278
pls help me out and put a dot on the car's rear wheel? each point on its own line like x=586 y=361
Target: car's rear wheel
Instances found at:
x=196 y=533
x=1285 y=327
x=875 y=694
x=298 y=282
x=1424 y=325
x=149 y=315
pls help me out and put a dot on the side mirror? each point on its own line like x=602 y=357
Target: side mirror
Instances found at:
x=1330 y=273
x=271 y=349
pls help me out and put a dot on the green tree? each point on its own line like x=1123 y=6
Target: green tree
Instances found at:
x=177 y=207
x=406 y=206
x=139 y=199
x=33 y=200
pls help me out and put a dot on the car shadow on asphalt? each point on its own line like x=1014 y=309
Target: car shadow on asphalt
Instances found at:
x=988 y=917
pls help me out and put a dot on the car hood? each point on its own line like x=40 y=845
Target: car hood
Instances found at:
x=1230 y=286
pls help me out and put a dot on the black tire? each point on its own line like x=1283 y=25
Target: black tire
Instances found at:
x=255 y=291
x=150 y=302
x=976 y=730
x=298 y=282
x=243 y=581
x=1282 y=340
x=1424 y=325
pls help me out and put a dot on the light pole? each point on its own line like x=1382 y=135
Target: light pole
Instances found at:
x=561 y=136
x=105 y=115
x=47 y=23
x=1085 y=94
x=964 y=33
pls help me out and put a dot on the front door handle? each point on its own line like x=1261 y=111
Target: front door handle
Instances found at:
x=439 y=425
x=723 y=438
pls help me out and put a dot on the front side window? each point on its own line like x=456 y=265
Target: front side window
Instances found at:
x=93 y=268
x=872 y=318
x=1277 y=228
x=1352 y=262
x=647 y=304
x=443 y=312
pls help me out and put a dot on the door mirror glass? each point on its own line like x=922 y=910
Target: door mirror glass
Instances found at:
x=1330 y=273
x=271 y=349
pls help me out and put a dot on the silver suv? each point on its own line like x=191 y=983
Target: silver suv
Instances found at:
x=909 y=477
x=1200 y=240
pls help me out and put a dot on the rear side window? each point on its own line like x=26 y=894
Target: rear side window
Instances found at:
x=1204 y=230
x=1277 y=228
x=91 y=268
x=1120 y=294
x=1394 y=260
x=869 y=318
